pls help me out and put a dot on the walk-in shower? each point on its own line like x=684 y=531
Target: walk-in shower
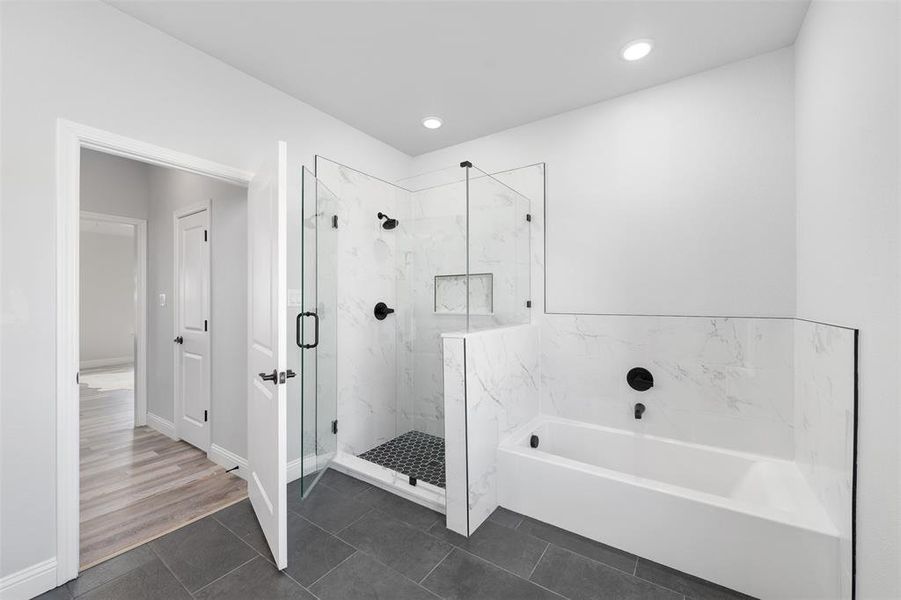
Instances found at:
x=453 y=256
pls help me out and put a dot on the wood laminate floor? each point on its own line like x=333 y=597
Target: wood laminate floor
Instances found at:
x=136 y=483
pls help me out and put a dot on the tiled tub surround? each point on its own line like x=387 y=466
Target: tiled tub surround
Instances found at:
x=748 y=427
x=824 y=426
x=491 y=389
x=723 y=382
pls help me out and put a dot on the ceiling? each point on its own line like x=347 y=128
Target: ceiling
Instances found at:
x=481 y=66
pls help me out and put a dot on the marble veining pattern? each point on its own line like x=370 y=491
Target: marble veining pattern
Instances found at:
x=723 y=382
x=824 y=413
x=501 y=394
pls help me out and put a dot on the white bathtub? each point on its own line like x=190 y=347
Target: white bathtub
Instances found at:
x=745 y=521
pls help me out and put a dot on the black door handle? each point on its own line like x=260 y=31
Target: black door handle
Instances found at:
x=273 y=377
x=179 y=340
x=316 y=330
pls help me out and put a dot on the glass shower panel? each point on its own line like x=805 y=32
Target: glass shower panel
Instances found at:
x=499 y=274
x=316 y=329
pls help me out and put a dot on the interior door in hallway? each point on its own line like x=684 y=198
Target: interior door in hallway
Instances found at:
x=192 y=336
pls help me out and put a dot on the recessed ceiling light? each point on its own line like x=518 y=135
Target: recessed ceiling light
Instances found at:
x=432 y=122
x=637 y=49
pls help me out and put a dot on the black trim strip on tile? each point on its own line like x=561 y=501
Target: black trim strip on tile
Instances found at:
x=854 y=466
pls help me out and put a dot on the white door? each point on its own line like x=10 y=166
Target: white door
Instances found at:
x=267 y=201
x=192 y=337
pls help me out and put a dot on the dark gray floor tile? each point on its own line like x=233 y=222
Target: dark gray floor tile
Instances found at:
x=240 y=519
x=328 y=508
x=462 y=576
x=580 y=545
x=406 y=549
x=256 y=579
x=201 y=552
x=344 y=483
x=312 y=552
x=361 y=577
x=693 y=587
x=401 y=509
x=151 y=581
x=110 y=569
x=579 y=578
x=513 y=550
x=505 y=517
x=59 y=593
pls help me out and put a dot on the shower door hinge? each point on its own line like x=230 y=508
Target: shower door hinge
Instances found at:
x=205 y=416
x=205 y=238
x=335 y=426
x=334 y=221
x=206 y=325
x=528 y=304
x=528 y=217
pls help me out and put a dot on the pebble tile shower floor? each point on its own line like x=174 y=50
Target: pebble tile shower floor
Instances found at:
x=414 y=454
x=351 y=541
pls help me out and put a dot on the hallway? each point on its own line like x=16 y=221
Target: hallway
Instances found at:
x=136 y=483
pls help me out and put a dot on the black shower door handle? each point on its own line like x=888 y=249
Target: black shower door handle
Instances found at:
x=316 y=330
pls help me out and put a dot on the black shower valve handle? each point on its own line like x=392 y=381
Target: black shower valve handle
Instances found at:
x=381 y=311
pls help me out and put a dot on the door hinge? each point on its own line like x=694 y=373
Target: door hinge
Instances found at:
x=77 y=378
x=205 y=238
x=334 y=221
x=205 y=416
x=528 y=304
x=205 y=325
x=528 y=217
x=335 y=426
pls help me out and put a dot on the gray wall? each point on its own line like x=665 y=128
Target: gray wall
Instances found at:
x=171 y=190
x=106 y=296
x=154 y=193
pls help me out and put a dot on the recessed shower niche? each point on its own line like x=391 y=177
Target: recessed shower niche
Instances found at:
x=453 y=258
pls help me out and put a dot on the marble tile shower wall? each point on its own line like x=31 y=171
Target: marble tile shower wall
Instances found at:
x=824 y=418
x=367 y=348
x=722 y=382
x=433 y=242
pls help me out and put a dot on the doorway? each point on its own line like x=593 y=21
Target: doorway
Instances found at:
x=147 y=470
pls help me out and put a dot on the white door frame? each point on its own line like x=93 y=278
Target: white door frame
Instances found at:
x=177 y=400
x=71 y=138
x=140 y=377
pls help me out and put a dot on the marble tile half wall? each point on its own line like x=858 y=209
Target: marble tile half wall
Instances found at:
x=490 y=389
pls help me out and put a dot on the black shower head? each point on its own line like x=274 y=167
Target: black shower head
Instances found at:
x=389 y=222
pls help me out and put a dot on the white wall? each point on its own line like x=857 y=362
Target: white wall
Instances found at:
x=672 y=200
x=106 y=297
x=90 y=63
x=848 y=230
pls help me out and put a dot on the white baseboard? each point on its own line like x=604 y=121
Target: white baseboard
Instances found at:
x=106 y=362
x=310 y=464
x=228 y=460
x=165 y=427
x=29 y=582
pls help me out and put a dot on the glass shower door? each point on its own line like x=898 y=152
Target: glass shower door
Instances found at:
x=317 y=329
